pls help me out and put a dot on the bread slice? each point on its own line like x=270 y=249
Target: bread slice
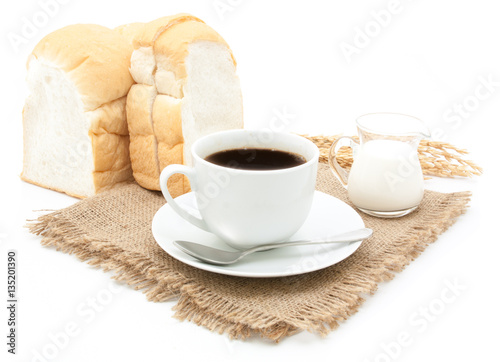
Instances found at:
x=186 y=88
x=74 y=119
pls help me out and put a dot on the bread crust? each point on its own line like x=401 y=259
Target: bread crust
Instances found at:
x=143 y=143
x=95 y=58
x=167 y=122
x=110 y=144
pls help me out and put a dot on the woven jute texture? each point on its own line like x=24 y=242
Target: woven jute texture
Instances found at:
x=113 y=231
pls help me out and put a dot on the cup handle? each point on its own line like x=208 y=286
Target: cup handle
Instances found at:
x=341 y=173
x=191 y=175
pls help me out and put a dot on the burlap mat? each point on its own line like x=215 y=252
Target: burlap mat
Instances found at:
x=113 y=231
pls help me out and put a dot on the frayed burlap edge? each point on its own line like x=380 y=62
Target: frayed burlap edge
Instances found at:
x=199 y=305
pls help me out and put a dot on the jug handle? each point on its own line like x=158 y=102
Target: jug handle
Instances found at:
x=341 y=173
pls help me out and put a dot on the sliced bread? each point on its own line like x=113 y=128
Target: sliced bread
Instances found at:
x=186 y=88
x=74 y=119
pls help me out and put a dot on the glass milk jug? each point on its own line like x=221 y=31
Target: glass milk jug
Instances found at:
x=385 y=178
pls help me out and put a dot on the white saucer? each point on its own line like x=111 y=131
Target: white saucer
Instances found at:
x=329 y=216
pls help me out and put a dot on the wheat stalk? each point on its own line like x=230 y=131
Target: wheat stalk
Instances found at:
x=437 y=158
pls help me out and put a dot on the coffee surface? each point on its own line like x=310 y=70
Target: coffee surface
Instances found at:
x=260 y=159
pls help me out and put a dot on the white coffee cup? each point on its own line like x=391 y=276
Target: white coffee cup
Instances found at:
x=246 y=208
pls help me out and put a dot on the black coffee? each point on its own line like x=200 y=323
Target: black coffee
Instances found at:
x=256 y=159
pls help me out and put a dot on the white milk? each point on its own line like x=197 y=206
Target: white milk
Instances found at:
x=385 y=176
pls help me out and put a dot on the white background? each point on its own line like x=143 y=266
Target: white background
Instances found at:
x=427 y=59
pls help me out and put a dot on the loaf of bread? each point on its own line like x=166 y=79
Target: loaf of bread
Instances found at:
x=75 y=131
x=186 y=88
x=87 y=126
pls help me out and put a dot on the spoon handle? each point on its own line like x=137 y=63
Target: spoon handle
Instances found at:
x=350 y=236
